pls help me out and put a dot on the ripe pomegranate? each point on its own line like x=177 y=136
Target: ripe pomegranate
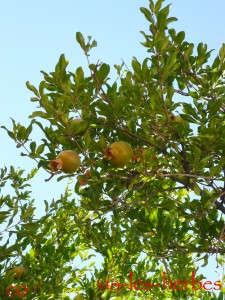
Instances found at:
x=118 y=154
x=68 y=161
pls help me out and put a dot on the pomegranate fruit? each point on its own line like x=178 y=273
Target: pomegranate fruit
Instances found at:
x=88 y=173
x=68 y=161
x=84 y=179
x=144 y=155
x=118 y=154
x=79 y=126
x=83 y=182
x=178 y=119
x=79 y=297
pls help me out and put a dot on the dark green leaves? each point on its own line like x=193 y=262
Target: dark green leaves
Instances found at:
x=102 y=73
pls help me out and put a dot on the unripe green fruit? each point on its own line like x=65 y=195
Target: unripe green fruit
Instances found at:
x=70 y=161
x=79 y=297
x=118 y=154
x=79 y=126
x=67 y=161
x=178 y=119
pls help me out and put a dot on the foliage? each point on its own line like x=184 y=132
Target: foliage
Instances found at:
x=161 y=213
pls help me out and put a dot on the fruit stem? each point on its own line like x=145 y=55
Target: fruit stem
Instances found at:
x=52 y=175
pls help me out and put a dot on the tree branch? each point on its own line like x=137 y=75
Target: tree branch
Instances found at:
x=219 y=206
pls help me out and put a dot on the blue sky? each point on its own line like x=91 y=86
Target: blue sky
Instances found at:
x=34 y=34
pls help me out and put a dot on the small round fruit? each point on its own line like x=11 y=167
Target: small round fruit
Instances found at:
x=148 y=155
x=178 y=119
x=79 y=297
x=84 y=179
x=118 y=154
x=67 y=161
x=83 y=182
x=144 y=155
x=79 y=126
x=88 y=173
x=19 y=271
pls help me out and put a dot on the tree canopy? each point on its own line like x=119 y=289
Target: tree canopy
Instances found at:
x=147 y=222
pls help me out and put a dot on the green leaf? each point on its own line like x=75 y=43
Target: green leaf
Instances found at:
x=189 y=109
x=46 y=206
x=79 y=75
x=214 y=107
x=3 y=216
x=93 y=44
x=222 y=52
x=162 y=17
x=27 y=213
x=60 y=70
x=170 y=20
x=193 y=94
x=103 y=72
x=147 y=14
x=136 y=66
x=42 y=86
x=33 y=147
x=10 y=133
x=158 y=5
x=80 y=40
x=188 y=118
x=204 y=162
x=32 y=88
x=40 y=149
x=40 y=114
x=180 y=37
x=197 y=189
x=153 y=216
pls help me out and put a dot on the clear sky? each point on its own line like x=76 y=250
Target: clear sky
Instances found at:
x=34 y=33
